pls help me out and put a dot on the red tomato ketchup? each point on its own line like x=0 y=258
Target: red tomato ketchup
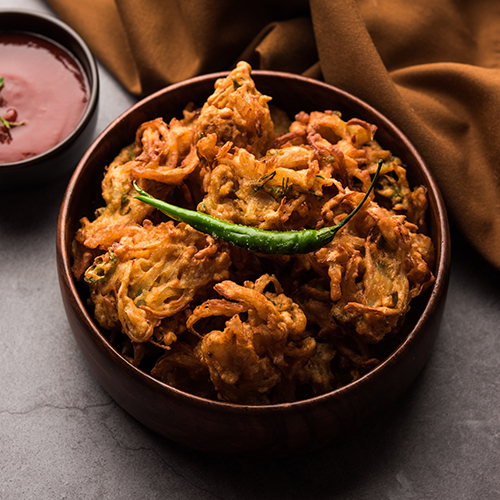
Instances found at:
x=43 y=97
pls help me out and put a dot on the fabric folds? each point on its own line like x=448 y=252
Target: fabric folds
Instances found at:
x=431 y=67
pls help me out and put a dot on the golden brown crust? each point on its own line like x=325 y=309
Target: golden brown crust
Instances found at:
x=220 y=322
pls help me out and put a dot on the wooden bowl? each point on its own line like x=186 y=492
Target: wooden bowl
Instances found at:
x=224 y=428
x=61 y=159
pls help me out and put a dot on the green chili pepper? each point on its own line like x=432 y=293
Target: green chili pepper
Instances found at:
x=252 y=238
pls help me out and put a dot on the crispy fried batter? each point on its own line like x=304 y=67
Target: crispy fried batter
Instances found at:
x=182 y=368
x=237 y=112
x=280 y=191
x=168 y=153
x=251 y=356
x=161 y=153
x=221 y=322
x=157 y=271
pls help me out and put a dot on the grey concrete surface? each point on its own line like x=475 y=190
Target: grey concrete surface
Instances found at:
x=63 y=437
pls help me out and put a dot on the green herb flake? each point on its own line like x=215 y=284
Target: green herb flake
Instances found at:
x=6 y=123
x=263 y=181
x=102 y=267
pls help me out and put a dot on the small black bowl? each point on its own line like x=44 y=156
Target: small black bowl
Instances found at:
x=62 y=158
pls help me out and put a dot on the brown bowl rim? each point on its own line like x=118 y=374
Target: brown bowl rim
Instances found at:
x=92 y=79
x=438 y=291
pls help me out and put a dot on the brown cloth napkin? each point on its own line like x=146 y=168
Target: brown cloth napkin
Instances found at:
x=433 y=67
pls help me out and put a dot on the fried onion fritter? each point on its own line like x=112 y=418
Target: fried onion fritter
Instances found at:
x=238 y=113
x=248 y=358
x=157 y=272
x=160 y=159
x=224 y=323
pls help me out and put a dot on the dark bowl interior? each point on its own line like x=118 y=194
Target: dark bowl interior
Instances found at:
x=63 y=158
x=250 y=430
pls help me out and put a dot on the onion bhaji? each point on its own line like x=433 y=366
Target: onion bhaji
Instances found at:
x=220 y=322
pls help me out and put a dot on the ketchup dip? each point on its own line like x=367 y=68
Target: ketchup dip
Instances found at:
x=44 y=89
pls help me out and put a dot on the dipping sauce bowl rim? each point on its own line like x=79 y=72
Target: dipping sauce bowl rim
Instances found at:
x=92 y=79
